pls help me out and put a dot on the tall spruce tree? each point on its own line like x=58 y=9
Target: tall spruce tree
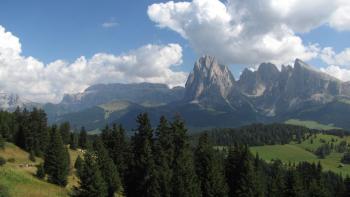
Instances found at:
x=164 y=154
x=117 y=146
x=73 y=141
x=2 y=142
x=83 y=139
x=109 y=171
x=346 y=187
x=91 y=183
x=184 y=181
x=275 y=185
x=65 y=132
x=56 y=161
x=292 y=184
x=142 y=177
x=209 y=171
x=239 y=172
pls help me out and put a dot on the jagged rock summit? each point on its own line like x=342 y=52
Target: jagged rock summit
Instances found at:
x=208 y=80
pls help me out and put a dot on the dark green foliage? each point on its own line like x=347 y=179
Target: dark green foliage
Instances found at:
x=73 y=141
x=78 y=163
x=65 y=132
x=142 y=177
x=40 y=172
x=164 y=153
x=239 y=172
x=292 y=184
x=209 y=172
x=346 y=187
x=56 y=162
x=323 y=151
x=29 y=130
x=83 y=139
x=91 y=181
x=109 y=171
x=184 y=180
x=115 y=142
x=275 y=183
x=259 y=134
x=4 y=191
x=32 y=156
x=2 y=142
x=346 y=158
x=2 y=161
x=341 y=147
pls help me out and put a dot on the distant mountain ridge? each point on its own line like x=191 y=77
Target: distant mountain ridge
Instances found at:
x=212 y=97
x=10 y=101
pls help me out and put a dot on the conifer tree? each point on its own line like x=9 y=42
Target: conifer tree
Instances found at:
x=83 y=140
x=347 y=187
x=292 y=184
x=2 y=142
x=91 y=183
x=109 y=171
x=276 y=184
x=239 y=172
x=56 y=161
x=184 y=181
x=119 y=148
x=73 y=142
x=208 y=169
x=78 y=163
x=40 y=172
x=164 y=154
x=142 y=178
x=65 y=132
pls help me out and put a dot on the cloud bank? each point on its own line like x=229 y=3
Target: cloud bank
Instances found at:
x=36 y=81
x=251 y=31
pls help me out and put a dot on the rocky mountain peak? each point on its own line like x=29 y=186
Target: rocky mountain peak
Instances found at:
x=208 y=78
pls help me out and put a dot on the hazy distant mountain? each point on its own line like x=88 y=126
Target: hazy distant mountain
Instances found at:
x=144 y=94
x=213 y=98
x=10 y=101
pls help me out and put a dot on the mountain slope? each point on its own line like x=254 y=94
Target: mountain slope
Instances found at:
x=213 y=98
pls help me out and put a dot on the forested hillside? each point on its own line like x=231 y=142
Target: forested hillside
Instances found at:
x=162 y=160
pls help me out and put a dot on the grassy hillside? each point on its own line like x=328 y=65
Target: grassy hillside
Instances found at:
x=19 y=180
x=295 y=153
x=311 y=124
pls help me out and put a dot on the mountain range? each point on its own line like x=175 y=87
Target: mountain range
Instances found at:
x=212 y=97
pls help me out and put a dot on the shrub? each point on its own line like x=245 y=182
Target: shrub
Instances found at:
x=11 y=160
x=32 y=156
x=2 y=161
x=4 y=192
x=346 y=158
x=40 y=172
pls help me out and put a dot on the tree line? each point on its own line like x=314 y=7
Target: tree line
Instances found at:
x=162 y=161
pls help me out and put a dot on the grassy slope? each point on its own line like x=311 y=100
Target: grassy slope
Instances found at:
x=311 y=124
x=20 y=181
x=295 y=153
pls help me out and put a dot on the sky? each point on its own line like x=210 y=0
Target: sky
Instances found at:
x=50 y=48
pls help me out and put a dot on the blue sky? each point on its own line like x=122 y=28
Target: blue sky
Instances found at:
x=51 y=30
x=55 y=47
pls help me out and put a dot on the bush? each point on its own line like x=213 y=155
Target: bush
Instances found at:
x=2 y=142
x=323 y=151
x=2 y=161
x=4 y=192
x=40 y=172
x=11 y=160
x=32 y=156
x=346 y=158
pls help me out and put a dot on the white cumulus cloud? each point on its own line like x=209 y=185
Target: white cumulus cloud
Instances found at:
x=251 y=31
x=41 y=82
x=339 y=63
